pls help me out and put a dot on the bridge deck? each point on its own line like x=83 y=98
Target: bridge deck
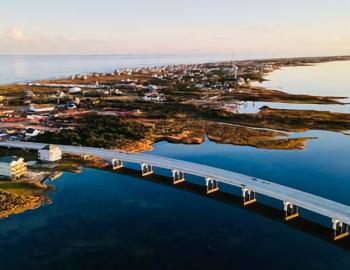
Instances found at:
x=305 y=200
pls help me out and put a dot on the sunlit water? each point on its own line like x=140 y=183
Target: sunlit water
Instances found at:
x=325 y=79
x=102 y=220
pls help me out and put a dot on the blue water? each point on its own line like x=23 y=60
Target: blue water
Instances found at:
x=21 y=68
x=101 y=220
x=325 y=79
x=104 y=220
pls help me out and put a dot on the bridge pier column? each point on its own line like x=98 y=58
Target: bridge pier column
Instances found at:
x=116 y=164
x=248 y=196
x=178 y=176
x=340 y=229
x=212 y=185
x=146 y=169
x=291 y=210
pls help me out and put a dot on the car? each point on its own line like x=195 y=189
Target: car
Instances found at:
x=13 y=138
x=71 y=105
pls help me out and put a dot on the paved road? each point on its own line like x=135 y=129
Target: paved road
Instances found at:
x=302 y=199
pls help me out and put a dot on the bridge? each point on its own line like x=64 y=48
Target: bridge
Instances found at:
x=292 y=199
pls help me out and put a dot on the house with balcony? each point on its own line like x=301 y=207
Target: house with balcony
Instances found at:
x=12 y=167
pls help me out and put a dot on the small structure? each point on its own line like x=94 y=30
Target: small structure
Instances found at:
x=12 y=168
x=31 y=132
x=29 y=94
x=50 y=153
x=117 y=92
x=74 y=90
x=6 y=112
x=37 y=108
x=153 y=97
x=60 y=94
x=240 y=81
x=71 y=105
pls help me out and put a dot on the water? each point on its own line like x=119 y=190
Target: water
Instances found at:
x=103 y=220
x=253 y=107
x=325 y=79
x=20 y=68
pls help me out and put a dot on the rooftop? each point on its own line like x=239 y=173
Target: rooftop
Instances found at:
x=8 y=159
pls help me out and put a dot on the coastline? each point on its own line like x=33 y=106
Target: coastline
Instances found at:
x=188 y=116
x=176 y=120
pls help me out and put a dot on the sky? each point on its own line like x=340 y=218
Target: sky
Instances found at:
x=243 y=28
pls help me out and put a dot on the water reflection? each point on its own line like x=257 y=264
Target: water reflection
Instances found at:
x=300 y=223
x=325 y=79
x=253 y=107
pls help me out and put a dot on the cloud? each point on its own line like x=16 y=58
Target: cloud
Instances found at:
x=15 y=34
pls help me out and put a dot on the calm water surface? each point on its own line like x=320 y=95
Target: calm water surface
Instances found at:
x=103 y=220
x=325 y=79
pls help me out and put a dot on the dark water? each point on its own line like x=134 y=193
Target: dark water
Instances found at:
x=103 y=220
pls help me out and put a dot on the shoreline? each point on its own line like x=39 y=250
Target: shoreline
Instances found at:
x=317 y=59
x=186 y=95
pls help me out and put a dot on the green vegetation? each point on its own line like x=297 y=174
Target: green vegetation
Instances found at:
x=26 y=154
x=97 y=131
x=16 y=187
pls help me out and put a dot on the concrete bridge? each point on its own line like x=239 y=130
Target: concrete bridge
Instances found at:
x=292 y=198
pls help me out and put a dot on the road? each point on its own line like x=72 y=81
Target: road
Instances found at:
x=302 y=199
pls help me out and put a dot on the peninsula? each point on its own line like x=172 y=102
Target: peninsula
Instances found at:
x=131 y=109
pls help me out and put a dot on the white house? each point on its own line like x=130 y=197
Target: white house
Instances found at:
x=29 y=93
x=74 y=90
x=41 y=107
x=50 y=153
x=31 y=132
x=12 y=168
x=152 y=97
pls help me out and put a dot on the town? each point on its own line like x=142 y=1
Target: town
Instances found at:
x=130 y=109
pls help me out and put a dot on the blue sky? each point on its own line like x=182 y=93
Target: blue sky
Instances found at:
x=243 y=28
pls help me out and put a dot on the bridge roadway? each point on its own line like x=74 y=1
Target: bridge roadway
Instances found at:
x=299 y=198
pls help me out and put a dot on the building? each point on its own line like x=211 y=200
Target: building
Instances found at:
x=71 y=105
x=74 y=90
x=12 y=168
x=41 y=107
x=50 y=153
x=154 y=96
x=6 y=112
x=31 y=132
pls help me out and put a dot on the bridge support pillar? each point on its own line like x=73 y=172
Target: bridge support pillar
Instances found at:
x=212 y=185
x=340 y=229
x=178 y=177
x=248 y=196
x=146 y=169
x=116 y=164
x=291 y=210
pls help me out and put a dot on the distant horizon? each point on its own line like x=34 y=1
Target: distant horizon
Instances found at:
x=181 y=54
